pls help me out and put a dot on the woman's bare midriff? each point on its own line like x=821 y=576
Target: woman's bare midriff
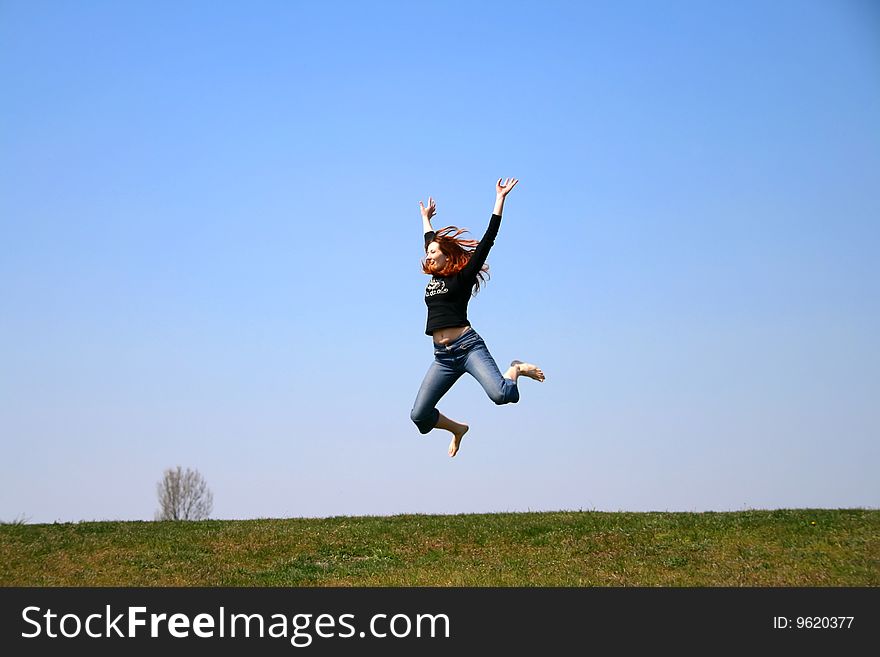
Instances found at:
x=447 y=335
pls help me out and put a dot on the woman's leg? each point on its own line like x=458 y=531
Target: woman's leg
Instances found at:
x=458 y=430
x=437 y=383
x=424 y=414
x=501 y=389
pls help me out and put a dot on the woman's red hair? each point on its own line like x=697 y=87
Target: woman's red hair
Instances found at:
x=458 y=253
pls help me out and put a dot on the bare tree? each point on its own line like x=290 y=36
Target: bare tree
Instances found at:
x=183 y=495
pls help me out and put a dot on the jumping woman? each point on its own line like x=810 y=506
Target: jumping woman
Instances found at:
x=457 y=267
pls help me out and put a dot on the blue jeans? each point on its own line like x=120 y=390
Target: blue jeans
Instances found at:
x=466 y=354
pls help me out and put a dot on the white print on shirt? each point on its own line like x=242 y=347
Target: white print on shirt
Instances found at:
x=436 y=286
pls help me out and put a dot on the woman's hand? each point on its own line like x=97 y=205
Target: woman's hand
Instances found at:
x=430 y=211
x=504 y=190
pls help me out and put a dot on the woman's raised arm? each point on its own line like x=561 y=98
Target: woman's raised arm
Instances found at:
x=500 y=192
x=427 y=213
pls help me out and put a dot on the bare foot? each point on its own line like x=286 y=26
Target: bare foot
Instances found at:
x=527 y=369
x=456 y=439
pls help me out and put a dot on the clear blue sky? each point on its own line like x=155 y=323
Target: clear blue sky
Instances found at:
x=210 y=242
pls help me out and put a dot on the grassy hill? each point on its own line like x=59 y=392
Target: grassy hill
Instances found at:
x=803 y=547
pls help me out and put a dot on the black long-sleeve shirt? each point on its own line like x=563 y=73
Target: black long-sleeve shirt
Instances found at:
x=447 y=296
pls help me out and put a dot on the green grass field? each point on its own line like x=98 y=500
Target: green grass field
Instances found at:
x=803 y=547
